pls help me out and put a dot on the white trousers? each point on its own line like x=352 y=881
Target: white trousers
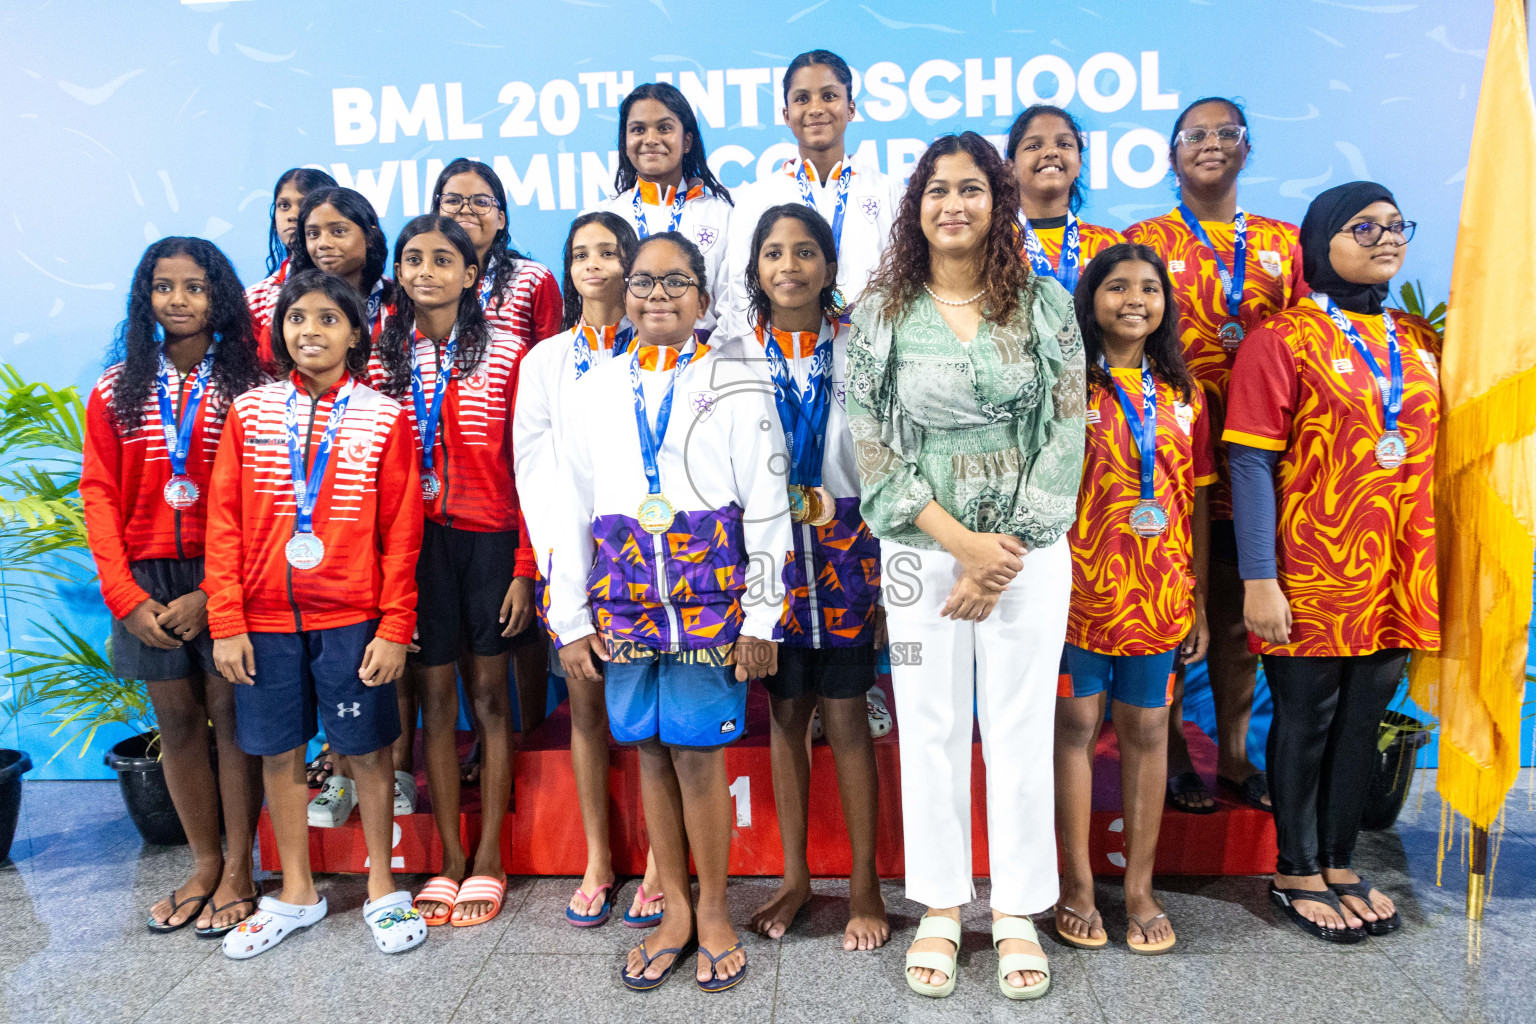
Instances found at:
x=1007 y=665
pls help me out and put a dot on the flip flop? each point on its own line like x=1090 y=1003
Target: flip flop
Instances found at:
x=439 y=889
x=1149 y=948
x=935 y=928
x=273 y=922
x=160 y=928
x=1093 y=920
x=1188 y=784
x=1253 y=789
x=219 y=933
x=715 y=984
x=592 y=920
x=1021 y=928
x=1361 y=891
x=480 y=889
x=639 y=982
x=1284 y=899
x=645 y=920
x=396 y=925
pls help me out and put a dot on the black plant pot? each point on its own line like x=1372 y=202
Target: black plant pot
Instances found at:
x=142 y=779
x=13 y=765
x=1392 y=772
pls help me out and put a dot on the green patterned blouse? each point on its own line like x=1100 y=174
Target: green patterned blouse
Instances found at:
x=991 y=429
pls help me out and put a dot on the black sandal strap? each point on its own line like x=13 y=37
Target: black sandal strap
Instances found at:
x=1185 y=791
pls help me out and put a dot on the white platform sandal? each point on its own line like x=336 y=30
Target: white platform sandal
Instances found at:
x=334 y=805
x=396 y=924
x=1022 y=928
x=273 y=922
x=405 y=793
x=932 y=927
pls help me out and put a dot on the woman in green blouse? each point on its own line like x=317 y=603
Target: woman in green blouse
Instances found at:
x=965 y=399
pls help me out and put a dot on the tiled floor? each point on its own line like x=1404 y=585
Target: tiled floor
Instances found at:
x=74 y=949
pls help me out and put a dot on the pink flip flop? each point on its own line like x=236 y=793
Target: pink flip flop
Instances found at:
x=645 y=920
x=601 y=917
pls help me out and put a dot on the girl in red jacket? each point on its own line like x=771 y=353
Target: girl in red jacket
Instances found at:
x=314 y=524
x=152 y=426
x=287 y=197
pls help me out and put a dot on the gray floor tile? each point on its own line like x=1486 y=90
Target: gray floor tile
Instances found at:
x=99 y=987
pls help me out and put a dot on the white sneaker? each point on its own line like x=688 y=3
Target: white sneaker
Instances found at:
x=334 y=805
x=405 y=793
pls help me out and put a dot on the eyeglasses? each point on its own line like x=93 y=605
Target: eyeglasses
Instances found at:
x=1227 y=135
x=675 y=285
x=449 y=202
x=1369 y=233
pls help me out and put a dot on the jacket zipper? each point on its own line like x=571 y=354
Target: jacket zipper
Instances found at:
x=309 y=437
x=181 y=395
x=442 y=430
x=664 y=592
x=812 y=598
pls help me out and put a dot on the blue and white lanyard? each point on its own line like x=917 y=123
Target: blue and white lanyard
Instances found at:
x=803 y=412
x=844 y=180
x=306 y=491
x=582 y=344
x=650 y=440
x=429 y=416
x=487 y=279
x=1231 y=280
x=1143 y=426
x=677 y=210
x=1390 y=388
x=375 y=307
x=1068 y=266
x=178 y=436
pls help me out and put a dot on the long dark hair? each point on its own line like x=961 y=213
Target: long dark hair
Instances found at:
x=1163 y=350
x=137 y=347
x=338 y=291
x=1021 y=125
x=501 y=256
x=353 y=206
x=821 y=234
x=306 y=180
x=904 y=266
x=1178 y=126
x=695 y=160
x=397 y=340
x=628 y=242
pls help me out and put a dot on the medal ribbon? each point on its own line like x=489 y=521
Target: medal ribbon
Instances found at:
x=585 y=342
x=429 y=417
x=1231 y=280
x=1144 y=426
x=844 y=179
x=485 y=284
x=650 y=440
x=178 y=436
x=375 y=307
x=803 y=413
x=306 y=491
x=681 y=193
x=1390 y=388
x=1068 y=265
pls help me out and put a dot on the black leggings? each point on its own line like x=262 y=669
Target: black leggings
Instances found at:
x=1321 y=747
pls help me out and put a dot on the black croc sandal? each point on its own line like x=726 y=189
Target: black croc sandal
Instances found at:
x=218 y=933
x=1284 y=899
x=1185 y=785
x=1253 y=790
x=1361 y=891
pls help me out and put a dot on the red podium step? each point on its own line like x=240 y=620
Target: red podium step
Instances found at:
x=543 y=834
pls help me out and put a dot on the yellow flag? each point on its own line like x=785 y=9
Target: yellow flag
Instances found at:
x=1485 y=471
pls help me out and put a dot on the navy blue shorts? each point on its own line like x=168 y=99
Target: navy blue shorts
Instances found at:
x=300 y=673
x=680 y=700
x=1141 y=680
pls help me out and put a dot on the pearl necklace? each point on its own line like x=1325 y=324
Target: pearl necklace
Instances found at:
x=952 y=302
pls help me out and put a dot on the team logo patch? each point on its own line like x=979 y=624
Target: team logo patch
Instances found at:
x=356 y=451
x=703 y=404
x=840 y=392
x=706 y=237
x=1343 y=366
x=476 y=381
x=1175 y=266
x=729 y=725
x=1430 y=362
x=1092 y=416
x=870 y=207
x=1185 y=415
x=1270 y=261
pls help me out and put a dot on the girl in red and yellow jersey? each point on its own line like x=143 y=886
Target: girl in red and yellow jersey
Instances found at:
x=1138 y=578
x=1335 y=405
x=1045 y=146
x=1230 y=270
x=287 y=197
x=152 y=426
x=314 y=524
x=455 y=374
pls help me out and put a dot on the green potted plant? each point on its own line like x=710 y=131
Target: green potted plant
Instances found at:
x=42 y=548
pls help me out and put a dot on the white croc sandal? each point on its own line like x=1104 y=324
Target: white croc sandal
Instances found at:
x=333 y=806
x=935 y=928
x=396 y=925
x=1020 y=928
x=879 y=712
x=273 y=921
x=405 y=793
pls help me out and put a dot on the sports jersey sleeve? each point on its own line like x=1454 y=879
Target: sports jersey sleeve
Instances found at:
x=1200 y=445
x=1263 y=393
x=101 y=495
x=399 y=526
x=525 y=563
x=766 y=529
x=548 y=308
x=570 y=617
x=223 y=550
x=732 y=301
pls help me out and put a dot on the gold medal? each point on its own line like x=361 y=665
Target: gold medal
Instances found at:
x=655 y=514
x=799 y=503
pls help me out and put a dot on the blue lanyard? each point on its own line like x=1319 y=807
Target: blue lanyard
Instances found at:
x=1390 y=388
x=803 y=413
x=486 y=280
x=1068 y=266
x=681 y=193
x=375 y=307
x=428 y=417
x=650 y=440
x=1231 y=280
x=178 y=436
x=306 y=491
x=844 y=179
x=584 y=347
x=1144 y=426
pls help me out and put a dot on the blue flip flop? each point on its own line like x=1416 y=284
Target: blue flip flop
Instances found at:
x=721 y=984
x=644 y=984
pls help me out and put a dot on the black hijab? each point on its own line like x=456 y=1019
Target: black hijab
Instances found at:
x=1329 y=212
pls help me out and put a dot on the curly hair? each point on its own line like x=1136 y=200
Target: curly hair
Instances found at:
x=821 y=234
x=357 y=209
x=338 y=291
x=905 y=265
x=397 y=340
x=306 y=180
x=138 y=341
x=1164 y=352
x=501 y=256
x=695 y=161
x=627 y=241
x=1021 y=125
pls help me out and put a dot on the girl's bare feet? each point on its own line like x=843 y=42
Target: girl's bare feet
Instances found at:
x=774 y=917
x=868 y=927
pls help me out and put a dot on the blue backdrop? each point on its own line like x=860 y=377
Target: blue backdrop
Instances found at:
x=128 y=122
